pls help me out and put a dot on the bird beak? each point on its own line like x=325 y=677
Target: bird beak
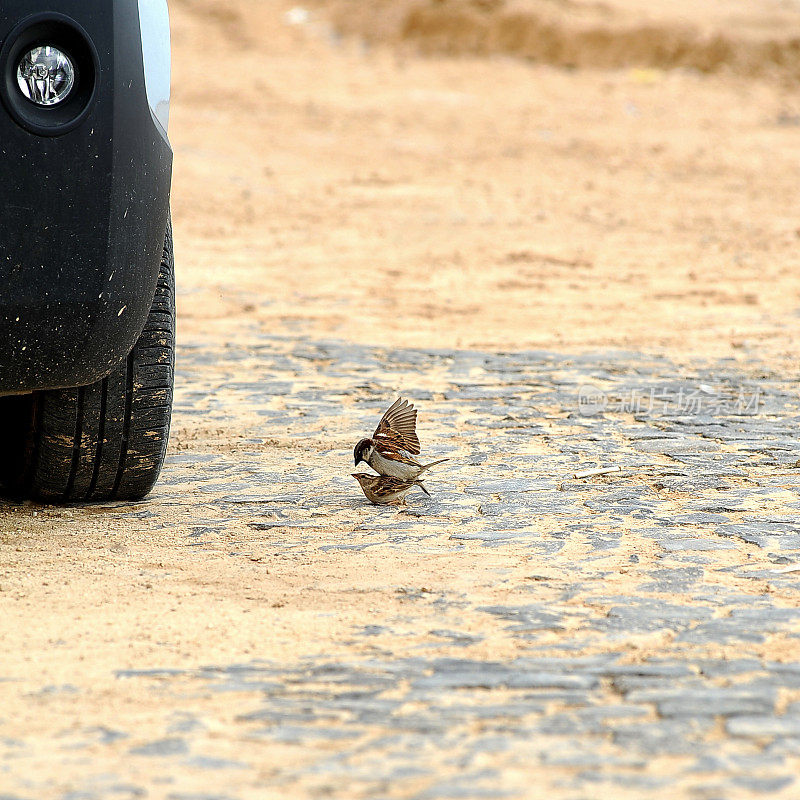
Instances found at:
x=356 y=461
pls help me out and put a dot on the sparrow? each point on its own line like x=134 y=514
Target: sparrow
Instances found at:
x=387 y=491
x=394 y=444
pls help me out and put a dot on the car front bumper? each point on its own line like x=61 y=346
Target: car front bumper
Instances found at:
x=84 y=207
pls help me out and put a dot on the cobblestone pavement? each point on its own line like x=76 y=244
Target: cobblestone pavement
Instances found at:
x=643 y=643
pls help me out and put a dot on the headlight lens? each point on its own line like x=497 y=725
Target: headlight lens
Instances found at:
x=46 y=75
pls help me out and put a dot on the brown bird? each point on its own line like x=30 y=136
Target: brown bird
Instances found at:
x=383 y=490
x=394 y=444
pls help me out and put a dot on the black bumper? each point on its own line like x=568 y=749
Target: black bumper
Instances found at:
x=83 y=207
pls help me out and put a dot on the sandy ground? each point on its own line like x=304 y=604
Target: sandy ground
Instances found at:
x=480 y=202
x=371 y=188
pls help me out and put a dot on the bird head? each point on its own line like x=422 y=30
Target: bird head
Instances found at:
x=362 y=451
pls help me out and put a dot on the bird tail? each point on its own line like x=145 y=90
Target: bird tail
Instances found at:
x=422 y=486
x=433 y=464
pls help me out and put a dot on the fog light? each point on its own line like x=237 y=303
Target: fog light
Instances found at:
x=45 y=75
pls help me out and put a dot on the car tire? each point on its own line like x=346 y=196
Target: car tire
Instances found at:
x=107 y=440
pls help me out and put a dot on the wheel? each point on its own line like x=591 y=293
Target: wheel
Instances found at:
x=107 y=440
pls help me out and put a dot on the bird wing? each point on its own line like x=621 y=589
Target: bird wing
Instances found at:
x=397 y=429
x=388 y=485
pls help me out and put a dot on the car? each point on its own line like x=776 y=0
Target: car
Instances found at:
x=87 y=287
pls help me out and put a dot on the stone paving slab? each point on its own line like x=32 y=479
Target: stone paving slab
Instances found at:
x=665 y=683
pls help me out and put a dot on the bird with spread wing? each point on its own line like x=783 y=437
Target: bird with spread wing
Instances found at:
x=391 y=450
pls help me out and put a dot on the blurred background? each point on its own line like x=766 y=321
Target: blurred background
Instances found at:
x=560 y=174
